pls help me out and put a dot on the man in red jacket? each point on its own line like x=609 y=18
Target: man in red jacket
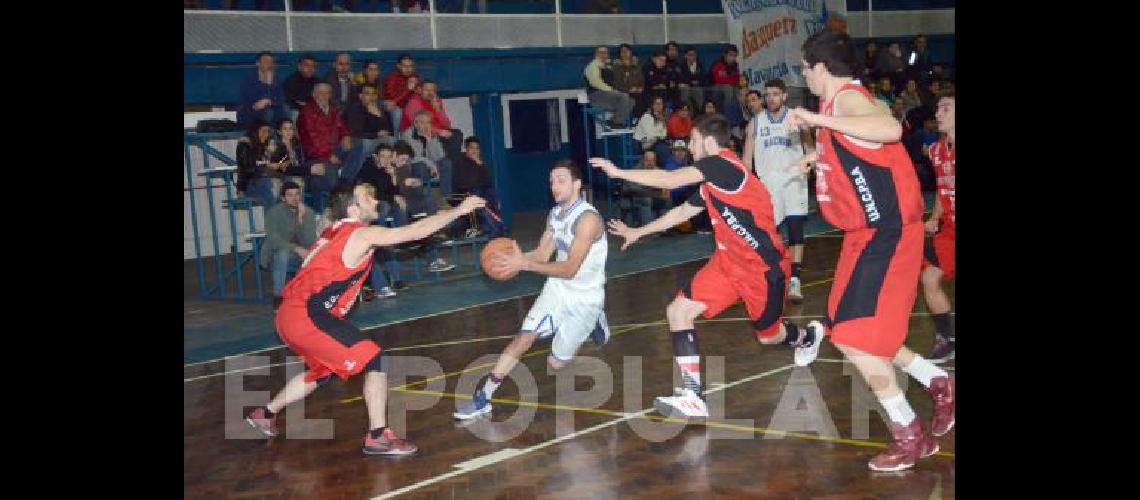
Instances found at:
x=725 y=76
x=325 y=139
x=399 y=86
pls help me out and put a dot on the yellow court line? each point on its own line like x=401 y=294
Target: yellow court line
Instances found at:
x=658 y=418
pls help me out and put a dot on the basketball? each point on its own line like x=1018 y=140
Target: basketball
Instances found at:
x=493 y=247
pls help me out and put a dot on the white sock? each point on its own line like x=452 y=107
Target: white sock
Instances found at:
x=489 y=386
x=898 y=409
x=923 y=370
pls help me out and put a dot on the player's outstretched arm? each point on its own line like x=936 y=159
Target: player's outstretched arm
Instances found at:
x=677 y=215
x=657 y=178
x=855 y=116
x=381 y=236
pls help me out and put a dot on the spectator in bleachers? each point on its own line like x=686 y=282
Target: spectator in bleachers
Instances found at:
x=628 y=77
x=412 y=177
x=368 y=125
x=254 y=176
x=710 y=108
x=690 y=88
x=645 y=202
x=261 y=95
x=472 y=177
x=725 y=79
x=379 y=172
x=866 y=61
x=340 y=78
x=673 y=54
x=661 y=80
x=370 y=74
x=326 y=140
x=599 y=75
x=650 y=130
x=883 y=91
x=891 y=64
x=429 y=149
x=910 y=96
x=399 y=86
x=737 y=112
x=427 y=99
x=679 y=158
x=287 y=152
x=680 y=123
x=290 y=230
x=299 y=85
x=918 y=61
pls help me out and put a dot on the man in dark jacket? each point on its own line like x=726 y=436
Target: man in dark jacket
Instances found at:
x=472 y=176
x=261 y=96
x=369 y=125
x=690 y=87
x=299 y=85
x=340 y=77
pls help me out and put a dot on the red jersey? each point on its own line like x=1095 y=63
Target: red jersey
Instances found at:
x=742 y=221
x=324 y=280
x=859 y=187
x=942 y=157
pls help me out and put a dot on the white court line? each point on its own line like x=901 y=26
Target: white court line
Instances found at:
x=509 y=453
x=394 y=349
x=469 y=307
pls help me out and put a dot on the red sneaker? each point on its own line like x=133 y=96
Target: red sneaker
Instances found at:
x=259 y=421
x=387 y=444
x=909 y=443
x=942 y=390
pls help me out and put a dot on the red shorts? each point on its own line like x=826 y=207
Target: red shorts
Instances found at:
x=939 y=252
x=328 y=344
x=876 y=280
x=719 y=286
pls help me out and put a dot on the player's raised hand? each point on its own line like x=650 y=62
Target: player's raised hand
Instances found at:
x=606 y=166
x=618 y=228
x=470 y=203
x=800 y=118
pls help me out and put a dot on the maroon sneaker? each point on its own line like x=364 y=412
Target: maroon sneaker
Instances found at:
x=909 y=443
x=942 y=390
x=259 y=421
x=387 y=444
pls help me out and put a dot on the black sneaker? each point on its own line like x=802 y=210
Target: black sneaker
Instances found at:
x=943 y=349
x=399 y=286
x=367 y=294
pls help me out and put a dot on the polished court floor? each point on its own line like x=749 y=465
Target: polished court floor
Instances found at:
x=589 y=431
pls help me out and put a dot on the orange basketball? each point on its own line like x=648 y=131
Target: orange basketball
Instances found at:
x=493 y=247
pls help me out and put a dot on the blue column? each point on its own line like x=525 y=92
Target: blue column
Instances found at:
x=487 y=115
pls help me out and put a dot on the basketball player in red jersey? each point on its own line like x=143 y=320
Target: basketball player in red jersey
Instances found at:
x=938 y=253
x=750 y=262
x=311 y=317
x=866 y=186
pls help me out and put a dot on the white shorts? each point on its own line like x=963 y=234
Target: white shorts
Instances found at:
x=567 y=318
x=789 y=195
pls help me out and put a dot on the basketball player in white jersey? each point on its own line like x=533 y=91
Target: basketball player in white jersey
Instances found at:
x=569 y=309
x=772 y=150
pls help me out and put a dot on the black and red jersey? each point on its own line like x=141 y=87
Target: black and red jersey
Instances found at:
x=942 y=157
x=324 y=280
x=864 y=185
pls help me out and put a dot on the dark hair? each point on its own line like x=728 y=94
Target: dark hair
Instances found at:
x=282 y=122
x=369 y=62
x=426 y=82
x=730 y=48
x=470 y=140
x=368 y=85
x=382 y=146
x=776 y=82
x=757 y=92
x=690 y=49
x=307 y=57
x=263 y=54
x=568 y=164
x=707 y=101
x=657 y=53
x=287 y=185
x=404 y=56
x=340 y=198
x=624 y=46
x=947 y=93
x=403 y=148
x=834 y=49
x=714 y=125
x=251 y=134
x=672 y=44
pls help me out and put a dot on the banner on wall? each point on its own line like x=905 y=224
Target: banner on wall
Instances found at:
x=769 y=34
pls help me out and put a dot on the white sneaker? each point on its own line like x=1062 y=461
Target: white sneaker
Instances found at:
x=794 y=294
x=386 y=292
x=686 y=404
x=805 y=355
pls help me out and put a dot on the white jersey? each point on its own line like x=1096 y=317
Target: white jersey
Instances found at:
x=570 y=309
x=775 y=147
